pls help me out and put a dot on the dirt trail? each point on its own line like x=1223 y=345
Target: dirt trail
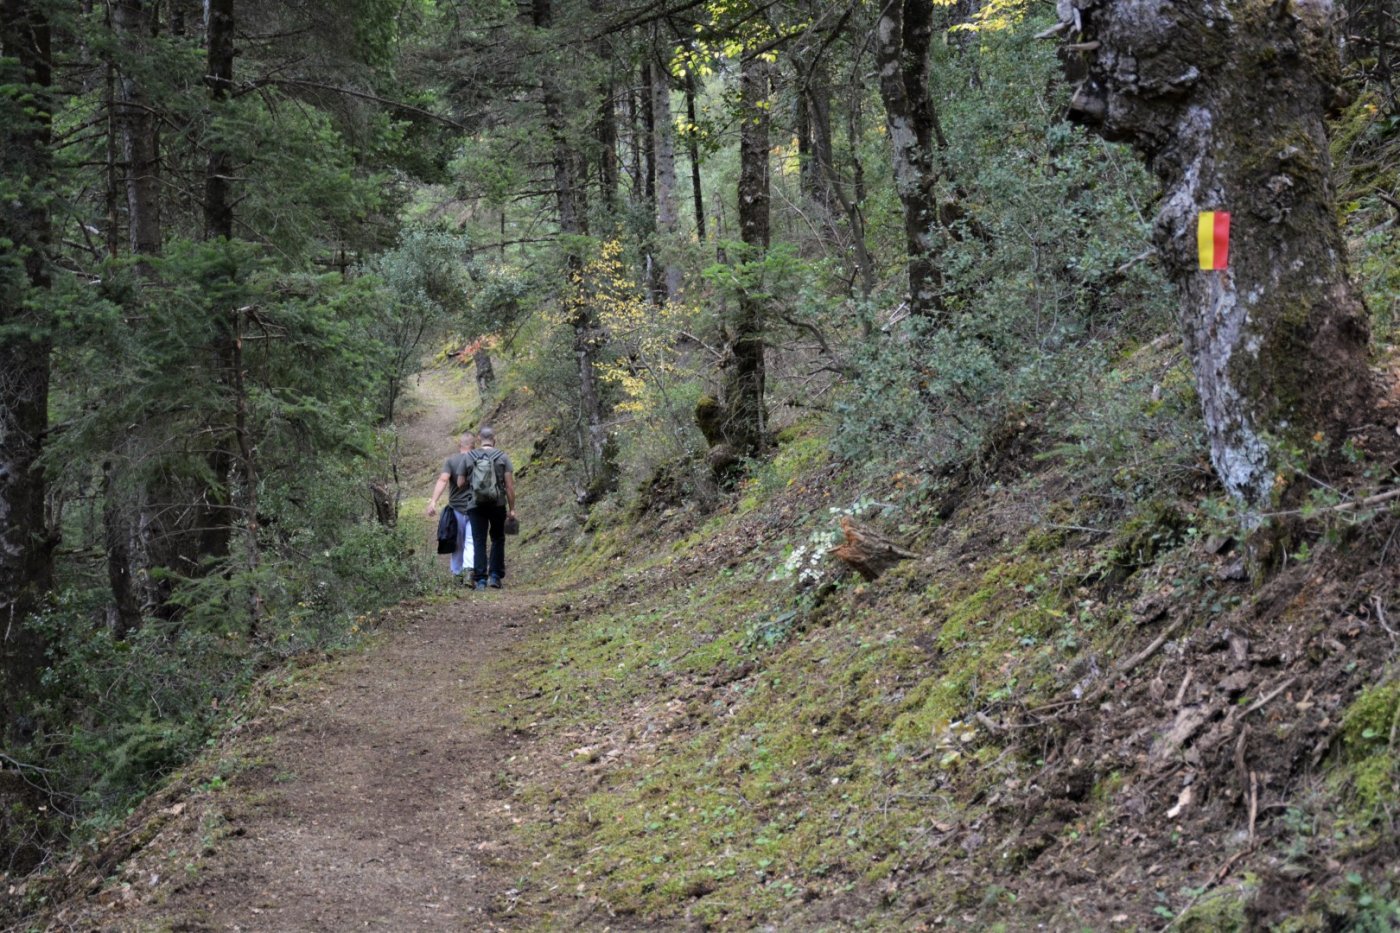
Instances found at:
x=371 y=803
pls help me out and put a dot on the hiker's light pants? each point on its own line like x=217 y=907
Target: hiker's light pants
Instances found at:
x=464 y=534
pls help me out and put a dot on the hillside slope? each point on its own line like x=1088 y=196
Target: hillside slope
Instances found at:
x=1070 y=710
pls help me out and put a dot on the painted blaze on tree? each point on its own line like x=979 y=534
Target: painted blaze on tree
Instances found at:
x=1227 y=102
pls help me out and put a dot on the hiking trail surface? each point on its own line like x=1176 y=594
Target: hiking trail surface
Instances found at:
x=360 y=789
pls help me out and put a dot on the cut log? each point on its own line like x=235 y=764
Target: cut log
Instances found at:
x=867 y=551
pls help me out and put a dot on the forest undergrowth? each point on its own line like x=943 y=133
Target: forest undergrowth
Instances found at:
x=1072 y=708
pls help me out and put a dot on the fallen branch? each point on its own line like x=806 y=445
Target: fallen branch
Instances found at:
x=1264 y=700
x=1339 y=507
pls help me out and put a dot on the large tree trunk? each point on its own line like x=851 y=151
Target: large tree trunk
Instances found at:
x=903 y=32
x=745 y=411
x=1227 y=102
x=26 y=548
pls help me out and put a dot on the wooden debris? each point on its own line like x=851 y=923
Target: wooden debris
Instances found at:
x=867 y=551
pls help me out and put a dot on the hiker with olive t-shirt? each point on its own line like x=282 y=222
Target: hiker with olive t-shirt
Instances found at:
x=491 y=480
x=454 y=473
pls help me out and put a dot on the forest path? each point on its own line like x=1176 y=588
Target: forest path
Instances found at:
x=367 y=799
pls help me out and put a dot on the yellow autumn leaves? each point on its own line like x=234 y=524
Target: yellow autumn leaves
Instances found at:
x=642 y=333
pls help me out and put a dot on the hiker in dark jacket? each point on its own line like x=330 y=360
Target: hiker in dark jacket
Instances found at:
x=488 y=518
x=454 y=472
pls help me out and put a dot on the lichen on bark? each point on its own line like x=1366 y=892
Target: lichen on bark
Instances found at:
x=1227 y=103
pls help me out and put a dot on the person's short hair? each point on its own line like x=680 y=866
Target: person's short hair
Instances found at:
x=486 y=433
x=467 y=439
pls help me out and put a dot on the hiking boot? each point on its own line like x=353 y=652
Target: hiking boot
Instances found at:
x=481 y=584
x=494 y=583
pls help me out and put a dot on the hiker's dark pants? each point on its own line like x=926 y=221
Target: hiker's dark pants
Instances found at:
x=492 y=519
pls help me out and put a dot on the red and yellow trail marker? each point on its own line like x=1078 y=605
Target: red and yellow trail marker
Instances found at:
x=1213 y=239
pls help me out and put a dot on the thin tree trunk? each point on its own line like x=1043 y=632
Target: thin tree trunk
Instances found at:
x=132 y=24
x=606 y=131
x=248 y=475
x=215 y=516
x=655 y=283
x=607 y=147
x=634 y=132
x=110 y=197
x=121 y=544
x=808 y=173
x=136 y=526
x=26 y=546
x=693 y=149
x=903 y=32
x=218 y=208
x=648 y=137
x=818 y=97
x=667 y=209
x=1278 y=339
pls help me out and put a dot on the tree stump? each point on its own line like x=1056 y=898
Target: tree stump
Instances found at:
x=867 y=551
x=385 y=509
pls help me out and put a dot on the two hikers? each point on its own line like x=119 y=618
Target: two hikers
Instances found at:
x=482 y=478
x=459 y=500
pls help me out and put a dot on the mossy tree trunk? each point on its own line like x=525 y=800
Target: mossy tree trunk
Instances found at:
x=1227 y=103
x=26 y=547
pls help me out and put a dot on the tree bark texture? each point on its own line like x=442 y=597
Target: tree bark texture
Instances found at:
x=132 y=24
x=215 y=515
x=667 y=199
x=485 y=372
x=135 y=521
x=123 y=546
x=1227 y=103
x=693 y=149
x=26 y=547
x=218 y=206
x=607 y=147
x=903 y=32
x=745 y=411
